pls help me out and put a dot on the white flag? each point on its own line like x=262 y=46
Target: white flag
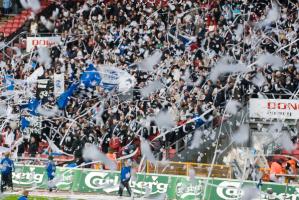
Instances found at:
x=58 y=84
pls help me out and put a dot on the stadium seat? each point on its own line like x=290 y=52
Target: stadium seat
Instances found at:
x=285 y=152
x=8 y=25
x=6 y=31
x=25 y=12
x=295 y=152
x=13 y=30
x=16 y=25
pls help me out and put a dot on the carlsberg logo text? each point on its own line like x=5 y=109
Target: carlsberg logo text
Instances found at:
x=108 y=183
x=27 y=178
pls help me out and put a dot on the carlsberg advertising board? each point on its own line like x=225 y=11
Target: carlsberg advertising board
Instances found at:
x=150 y=185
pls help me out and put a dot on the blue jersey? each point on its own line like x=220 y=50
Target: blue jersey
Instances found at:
x=7 y=166
x=125 y=174
x=50 y=168
x=7 y=4
x=23 y=198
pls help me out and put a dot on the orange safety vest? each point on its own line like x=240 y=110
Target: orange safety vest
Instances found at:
x=293 y=165
x=276 y=168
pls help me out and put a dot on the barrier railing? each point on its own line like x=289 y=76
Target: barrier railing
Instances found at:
x=42 y=160
x=171 y=168
x=149 y=186
x=183 y=168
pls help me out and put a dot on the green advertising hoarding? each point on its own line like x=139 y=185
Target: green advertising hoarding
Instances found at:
x=150 y=185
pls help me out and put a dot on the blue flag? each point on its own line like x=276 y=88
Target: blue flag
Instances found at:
x=24 y=123
x=199 y=121
x=31 y=106
x=9 y=82
x=186 y=40
x=91 y=77
x=63 y=99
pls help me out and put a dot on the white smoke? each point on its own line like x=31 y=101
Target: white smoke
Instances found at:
x=239 y=32
x=250 y=193
x=47 y=23
x=232 y=107
x=275 y=61
x=151 y=87
x=53 y=146
x=146 y=151
x=197 y=140
x=34 y=5
x=258 y=79
x=126 y=82
x=241 y=135
x=148 y=63
x=55 y=14
x=279 y=136
x=91 y=152
x=165 y=120
x=3 y=108
x=224 y=66
x=44 y=57
x=272 y=16
x=286 y=142
x=192 y=174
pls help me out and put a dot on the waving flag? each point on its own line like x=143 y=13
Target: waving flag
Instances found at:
x=108 y=86
x=199 y=120
x=24 y=123
x=183 y=38
x=9 y=82
x=113 y=77
x=91 y=77
x=64 y=97
x=31 y=106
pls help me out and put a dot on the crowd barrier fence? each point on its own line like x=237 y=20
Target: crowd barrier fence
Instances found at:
x=150 y=185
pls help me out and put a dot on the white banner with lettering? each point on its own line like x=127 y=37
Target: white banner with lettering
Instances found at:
x=58 y=84
x=32 y=42
x=274 y=108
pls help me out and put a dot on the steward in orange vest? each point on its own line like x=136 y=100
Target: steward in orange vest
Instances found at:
x=276 y=170
x=292 y=166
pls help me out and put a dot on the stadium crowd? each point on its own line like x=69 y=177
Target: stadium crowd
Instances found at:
x=192 y=35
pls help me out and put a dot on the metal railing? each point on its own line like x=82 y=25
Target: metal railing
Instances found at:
x=183 y=168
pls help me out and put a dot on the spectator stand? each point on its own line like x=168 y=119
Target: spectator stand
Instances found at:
x=14 y=24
